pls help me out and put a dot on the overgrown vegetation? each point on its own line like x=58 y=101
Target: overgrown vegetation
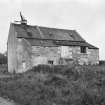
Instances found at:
x=3 y=59
x=59 y=85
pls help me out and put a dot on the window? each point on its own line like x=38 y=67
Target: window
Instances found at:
x=50 y=62
x=83 y=49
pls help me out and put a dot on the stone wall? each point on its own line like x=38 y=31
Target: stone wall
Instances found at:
x=93 y=56
x=29 y=56
x=42 y=55
x=66 y=52
x=11 y=50
x=73 y=52
x=23 y=54
x=64 y=55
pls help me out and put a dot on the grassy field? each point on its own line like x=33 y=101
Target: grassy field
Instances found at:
x=59 y=85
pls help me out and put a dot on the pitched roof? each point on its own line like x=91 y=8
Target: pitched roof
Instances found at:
x=53 y=36
x=90 y=46
x=53 y=43
x=27 y=31
x=46 y=43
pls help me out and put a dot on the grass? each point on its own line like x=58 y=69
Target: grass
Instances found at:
x=3 y=68
x=59 y=85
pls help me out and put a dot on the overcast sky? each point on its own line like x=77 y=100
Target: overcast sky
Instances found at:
x=85 y=16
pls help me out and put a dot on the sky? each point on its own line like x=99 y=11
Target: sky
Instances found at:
x=85 y=16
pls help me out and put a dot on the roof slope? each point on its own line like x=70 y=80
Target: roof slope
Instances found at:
x=53 y=36
x=90 y=46
x=54 y=43
x=26 y=31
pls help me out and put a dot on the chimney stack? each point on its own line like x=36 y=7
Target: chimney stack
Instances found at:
x=23 y=20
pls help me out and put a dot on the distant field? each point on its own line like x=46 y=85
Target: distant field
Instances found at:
x=59 y=85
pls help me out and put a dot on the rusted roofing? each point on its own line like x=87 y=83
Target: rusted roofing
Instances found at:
x=26 y=31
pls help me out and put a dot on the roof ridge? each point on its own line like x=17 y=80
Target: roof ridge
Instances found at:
x=47 y=27
x=58 y=28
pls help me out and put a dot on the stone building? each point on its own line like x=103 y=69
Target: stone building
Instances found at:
x=30 y=46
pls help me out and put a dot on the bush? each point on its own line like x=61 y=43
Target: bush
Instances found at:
x=3 y=59
x=42 y=68
x=101 y=62
x=76 y=85
x=3 y=68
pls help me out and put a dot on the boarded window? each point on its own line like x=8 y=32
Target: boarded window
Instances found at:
x=83 y=49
